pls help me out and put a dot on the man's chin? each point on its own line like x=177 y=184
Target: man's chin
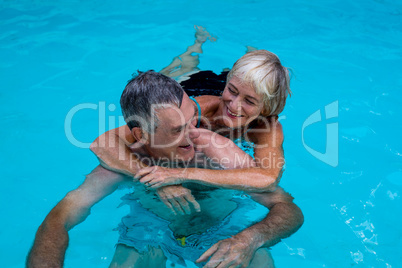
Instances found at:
x=185 y=156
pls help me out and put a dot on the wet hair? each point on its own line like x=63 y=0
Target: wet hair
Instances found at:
x=142 y=93
x=263 y=71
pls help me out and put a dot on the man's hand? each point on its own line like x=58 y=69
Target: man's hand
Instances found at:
x=178 y=199
x=156 y=176
x=236 y=251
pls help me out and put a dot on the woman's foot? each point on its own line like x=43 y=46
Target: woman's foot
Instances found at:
x=187 y=62
x=201 y=34
x=250 y=48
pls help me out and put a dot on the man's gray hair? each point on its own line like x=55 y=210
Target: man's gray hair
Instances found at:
x=145 y=92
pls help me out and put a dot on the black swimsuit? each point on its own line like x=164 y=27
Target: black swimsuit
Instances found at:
x=205 y=83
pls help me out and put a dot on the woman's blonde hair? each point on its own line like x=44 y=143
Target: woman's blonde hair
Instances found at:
x=263 y=71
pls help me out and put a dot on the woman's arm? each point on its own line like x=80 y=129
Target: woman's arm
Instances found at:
x=113 y=151
x=242 y=173
x=261 y=175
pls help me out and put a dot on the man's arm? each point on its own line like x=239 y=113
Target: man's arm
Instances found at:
x=284 y=219
x=51 y=239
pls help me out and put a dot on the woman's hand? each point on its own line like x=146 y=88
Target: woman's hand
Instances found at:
x=156 y=176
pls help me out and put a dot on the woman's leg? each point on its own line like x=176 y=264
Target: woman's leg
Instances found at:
x=187 y=62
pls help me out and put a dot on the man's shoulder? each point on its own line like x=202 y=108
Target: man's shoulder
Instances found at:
x=106 y=172
x=122 y=132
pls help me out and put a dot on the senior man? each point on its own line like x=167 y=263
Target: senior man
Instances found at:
x=168 y=144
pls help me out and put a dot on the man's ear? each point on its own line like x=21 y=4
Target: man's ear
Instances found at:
x=140 y=135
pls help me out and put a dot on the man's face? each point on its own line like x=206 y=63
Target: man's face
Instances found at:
x=172 y=138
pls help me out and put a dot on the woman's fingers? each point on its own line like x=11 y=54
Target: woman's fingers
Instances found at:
x=147 y=179
x=145 y=171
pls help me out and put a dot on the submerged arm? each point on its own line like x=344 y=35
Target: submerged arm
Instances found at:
x=52 y=238
x=284 y=219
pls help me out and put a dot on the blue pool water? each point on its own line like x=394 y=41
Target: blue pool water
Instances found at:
x=57 y=56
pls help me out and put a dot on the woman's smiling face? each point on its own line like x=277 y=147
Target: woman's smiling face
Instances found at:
x=241 y=104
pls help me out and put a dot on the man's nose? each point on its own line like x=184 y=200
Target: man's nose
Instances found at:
x=193 y=132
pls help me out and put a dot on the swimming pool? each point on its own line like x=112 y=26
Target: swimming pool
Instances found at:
x=345 y=56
